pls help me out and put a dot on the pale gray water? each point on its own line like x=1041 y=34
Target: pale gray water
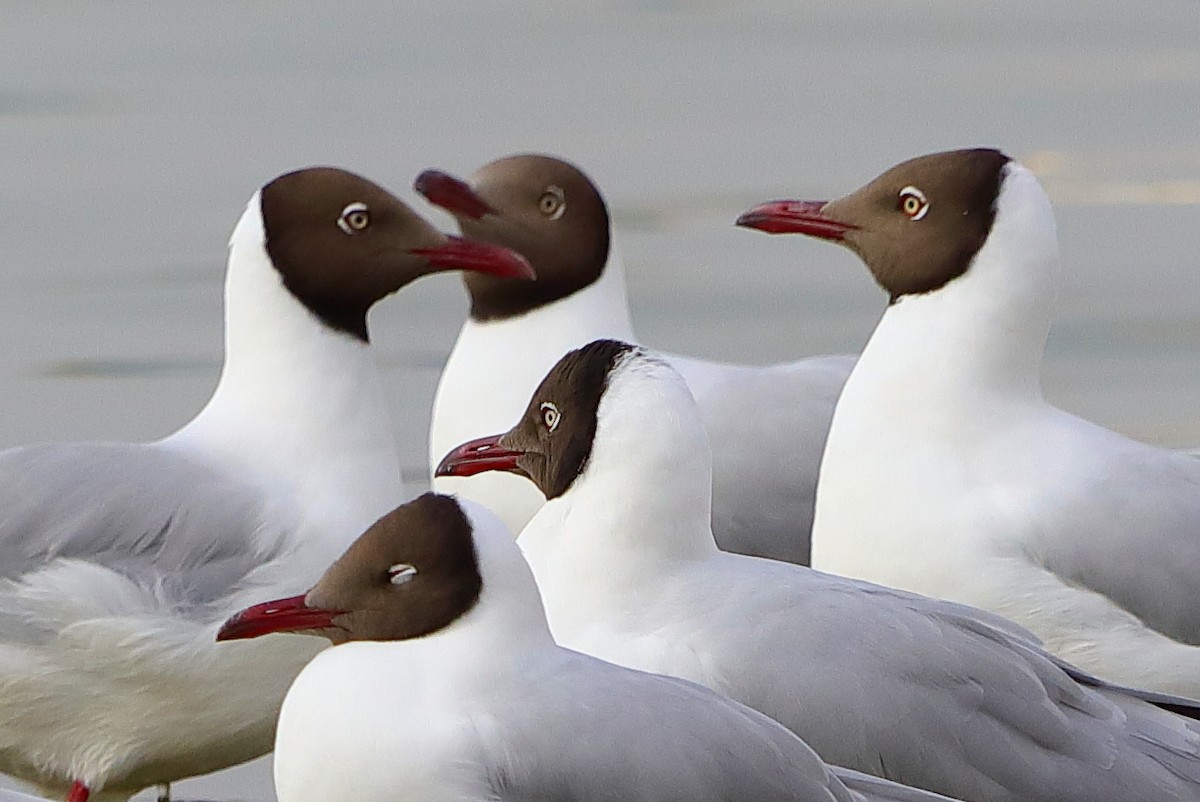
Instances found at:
x=135 y=132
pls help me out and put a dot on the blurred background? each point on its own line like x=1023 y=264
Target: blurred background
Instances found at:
x=134 y=133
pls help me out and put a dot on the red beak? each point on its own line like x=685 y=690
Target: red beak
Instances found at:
x=478 y=456
x=795 y=217
x=482 y=257
x=281 y=615
x=453 y=195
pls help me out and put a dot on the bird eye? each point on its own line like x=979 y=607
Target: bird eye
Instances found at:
x=550 y=416
x=913 y=203
x=400 y=573
x=553 y=202
x=355 y=217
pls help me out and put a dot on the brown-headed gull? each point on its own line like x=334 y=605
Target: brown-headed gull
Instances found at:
x=948 y=473
x=918 y=690
x=768 y=423
x=118 y=561
x=445 y=685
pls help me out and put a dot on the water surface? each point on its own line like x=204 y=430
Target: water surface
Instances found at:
x=134 y=134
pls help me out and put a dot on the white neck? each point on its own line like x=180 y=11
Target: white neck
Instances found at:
x=383 y=712
x=943 y=373
x=983 y=334
x=509 y=612
x=297 y=402
x=641 y=507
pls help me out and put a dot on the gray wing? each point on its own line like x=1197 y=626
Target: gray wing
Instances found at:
x=152 y=515
x=593 y=731
x=931 y=694
x=1123 y=519
x=1179 y=705
x=8 y=795
x=876 y=789
x=767 y=427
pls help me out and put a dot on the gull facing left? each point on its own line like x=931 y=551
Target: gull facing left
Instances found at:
x=921 y=691
x=444 y=685
x=769 y=421
x=948 y=473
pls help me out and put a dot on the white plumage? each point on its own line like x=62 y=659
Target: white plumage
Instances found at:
x=947 y=473
x=918 y=690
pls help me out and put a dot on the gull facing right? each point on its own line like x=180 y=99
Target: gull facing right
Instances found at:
x=947 y=472
x=918 y=690
x=118 y=561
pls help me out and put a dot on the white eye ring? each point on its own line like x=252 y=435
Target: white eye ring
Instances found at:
x=553 y=202
x=911 y=193
x=355 y=217
x=550 y=415
x=401 y=572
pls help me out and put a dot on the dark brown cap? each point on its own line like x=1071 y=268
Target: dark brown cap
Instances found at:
x=341 y=243
x=414 y=572
x=553 y=441
x=544 y=208
x=917 y=226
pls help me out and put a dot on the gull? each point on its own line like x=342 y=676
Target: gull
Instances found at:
x=444 y=684
x=947 y=472
x=119 y=561
x=918 y=690
x=767 y=423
